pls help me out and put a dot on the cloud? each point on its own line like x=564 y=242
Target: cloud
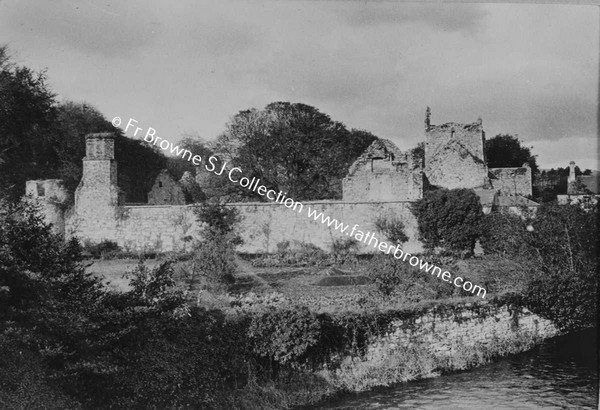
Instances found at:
x=108 y=30
x=445 y=17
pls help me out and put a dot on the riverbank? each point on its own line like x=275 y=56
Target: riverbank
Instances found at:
x=561 y=372
x=407 y=346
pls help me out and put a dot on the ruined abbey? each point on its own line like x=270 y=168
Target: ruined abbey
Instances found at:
x=383 y=181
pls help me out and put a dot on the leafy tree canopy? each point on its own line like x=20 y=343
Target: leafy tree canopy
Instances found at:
x=505 y=151
x=293 y=147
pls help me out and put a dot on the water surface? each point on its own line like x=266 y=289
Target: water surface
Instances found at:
x=562 y=373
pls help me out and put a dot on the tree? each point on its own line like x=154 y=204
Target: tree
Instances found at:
x=26 y=111
x=449 y=218
x=559 y=250
x=504 y=151
x=193 y=143
x=293 y=148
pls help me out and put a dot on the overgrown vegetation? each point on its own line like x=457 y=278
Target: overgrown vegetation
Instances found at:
x=214 y=255
x=71 y=343
x=449 y=218
x=392 y=228
x=559 y=249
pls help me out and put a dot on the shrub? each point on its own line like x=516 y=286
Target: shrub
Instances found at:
x=215 y=259
x=219 y=220
x=502 y=233
x=343 y=248
x=449 y=218
x=296 y=253
x=286 y=336
x=391 y=276
x=392 y=228
x=214 y=255
x=104 y=249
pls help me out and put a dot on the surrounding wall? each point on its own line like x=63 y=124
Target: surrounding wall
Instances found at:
x=171 y=228
x=512 y=181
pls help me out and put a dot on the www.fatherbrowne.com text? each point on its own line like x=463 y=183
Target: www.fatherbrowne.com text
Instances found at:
x=213 y=164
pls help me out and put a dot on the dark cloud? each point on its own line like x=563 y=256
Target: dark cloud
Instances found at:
x=446 y=17
x=115 y=30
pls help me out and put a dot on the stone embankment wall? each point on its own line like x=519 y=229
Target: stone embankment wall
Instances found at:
x=448 y=332
x=263 y=225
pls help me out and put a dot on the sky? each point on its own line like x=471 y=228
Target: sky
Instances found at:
x=188 y=67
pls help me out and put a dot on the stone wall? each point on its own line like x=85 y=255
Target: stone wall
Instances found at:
x=454 y=156
x=170 y=228
x=443 y=330
x=166 y=191
x=512 y=181
x=52 y=197
x=384 y=173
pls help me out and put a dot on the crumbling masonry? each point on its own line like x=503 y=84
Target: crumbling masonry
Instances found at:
x=383 y=181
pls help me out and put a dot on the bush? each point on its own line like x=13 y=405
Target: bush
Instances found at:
x=214 y=255
x=295 y=253
x=392 y=228
x=103 y=250
x=219 y=220
x=449 y=218
x=502 y=233
x=391 y=276
x=286 y=336
x=343 y=248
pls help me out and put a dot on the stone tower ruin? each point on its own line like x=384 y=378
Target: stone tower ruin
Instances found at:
x=52 y=197
x=454 y=156
x=97 y=194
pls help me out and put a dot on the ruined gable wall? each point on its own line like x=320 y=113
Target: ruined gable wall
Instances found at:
x=381 y=180
x=512 y=181
x=166 y=191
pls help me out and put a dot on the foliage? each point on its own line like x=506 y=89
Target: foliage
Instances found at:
x=504 y=151
x=193 y=143
x=559 y=249
x=502 y=232
x=103 y=249
x=41 y=139
x=563 y=243
x=449 y=218
x=343 y=248
x=392 y=228
x=285 y=336
x=27 y=109
x=292 y=148
x=214 y=255
x=392 y=276
x=219 y=219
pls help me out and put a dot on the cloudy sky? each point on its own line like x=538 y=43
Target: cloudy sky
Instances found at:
x=189 y=66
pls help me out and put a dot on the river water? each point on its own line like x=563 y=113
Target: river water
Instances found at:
x=562 y=373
